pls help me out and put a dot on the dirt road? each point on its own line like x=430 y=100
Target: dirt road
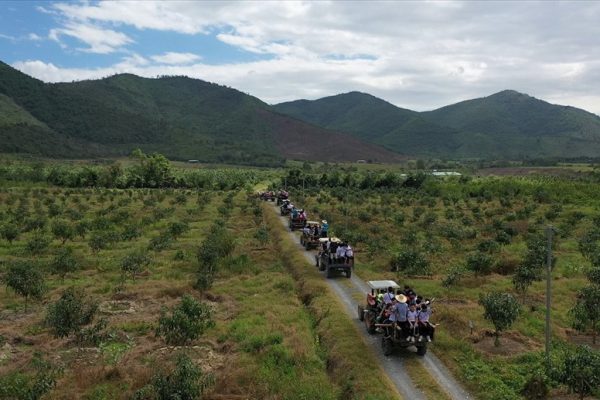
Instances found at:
x=347 y=291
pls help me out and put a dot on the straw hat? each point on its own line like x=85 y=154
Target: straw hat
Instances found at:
x=324 y=221
x=401 y=298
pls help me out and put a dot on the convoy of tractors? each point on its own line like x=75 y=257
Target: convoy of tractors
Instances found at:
x=398 y=314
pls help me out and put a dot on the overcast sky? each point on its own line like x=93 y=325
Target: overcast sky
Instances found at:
x=417 y=55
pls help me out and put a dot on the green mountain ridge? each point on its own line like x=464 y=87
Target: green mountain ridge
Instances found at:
x=505 y=125
x=180 y=117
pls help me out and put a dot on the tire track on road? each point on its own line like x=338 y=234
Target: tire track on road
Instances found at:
x=394 y=366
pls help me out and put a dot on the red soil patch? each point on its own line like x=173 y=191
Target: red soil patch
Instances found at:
x=296 y=139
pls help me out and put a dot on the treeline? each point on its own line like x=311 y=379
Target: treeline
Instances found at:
x=150 y=171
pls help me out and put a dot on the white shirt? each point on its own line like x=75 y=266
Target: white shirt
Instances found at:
x=349 y=252
x=340 y=252
x=411 y=316
x=388 y=297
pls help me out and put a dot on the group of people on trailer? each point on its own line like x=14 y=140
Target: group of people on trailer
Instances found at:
x=405 y=311
x=339 y=252
x=315 y=230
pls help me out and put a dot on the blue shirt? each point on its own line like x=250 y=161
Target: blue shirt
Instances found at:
x=324 y=227
x=400 y=310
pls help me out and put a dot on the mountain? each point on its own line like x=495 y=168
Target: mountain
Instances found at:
x=506 y=125
x=376 y=121
x=180 y=117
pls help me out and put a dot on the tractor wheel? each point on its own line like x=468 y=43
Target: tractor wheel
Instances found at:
x=329 y=273
x=349 y=273
x=302 y=241
x=370 y=323
x=322 y=266
x=387 y=346
x=422 y=350
x=361 y=313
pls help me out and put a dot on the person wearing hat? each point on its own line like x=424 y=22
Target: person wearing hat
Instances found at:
x=400 y=311
x=389 y=296
x=349 y=254
x=324 y=228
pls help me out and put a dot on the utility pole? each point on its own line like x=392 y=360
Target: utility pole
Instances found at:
x=549 y=232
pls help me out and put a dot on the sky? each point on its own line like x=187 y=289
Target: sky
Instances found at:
x=418 y=55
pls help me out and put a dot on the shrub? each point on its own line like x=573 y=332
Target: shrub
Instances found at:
x=26 y=279
x=185 y=382
x=38 y=243
x=454 y=275
x=160 y=242
x=134 y=263
x=177 y=229
x=70 y=313
x=410 y=262
x=21 y=386
x=64 y=262
x=63 y=230
x=480 y=263
x=9 y=232
x=186 y=322
x=586 y=313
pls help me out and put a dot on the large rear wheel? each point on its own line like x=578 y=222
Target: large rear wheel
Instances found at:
x=387 y=346
x=422 y=350
x=329 y=273
x=361 y=312
x=349 y=273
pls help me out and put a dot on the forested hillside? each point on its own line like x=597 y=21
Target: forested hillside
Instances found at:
x=182 y=118
x=505 y=125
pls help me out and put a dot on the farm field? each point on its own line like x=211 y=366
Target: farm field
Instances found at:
x=136 y=280
x=457 y=239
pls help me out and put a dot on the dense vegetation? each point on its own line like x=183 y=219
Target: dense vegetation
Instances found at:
x=478 y=246
x=182 y=118
x=506 y=125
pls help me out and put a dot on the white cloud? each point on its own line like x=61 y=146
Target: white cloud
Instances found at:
x=418 y=55
x=173 y=58
x=34 y=37
x=99 y=40
x=7 y=37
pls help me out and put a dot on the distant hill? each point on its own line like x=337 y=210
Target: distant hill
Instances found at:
x=180 y=117
x=504 y=125
x=376 y=121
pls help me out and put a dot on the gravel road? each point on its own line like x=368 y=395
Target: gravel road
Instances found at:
x=393 y=366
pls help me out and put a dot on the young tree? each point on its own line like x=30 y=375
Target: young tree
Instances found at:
x=64 y=262
x=135 y=263
x=186 y=322
x=38 y=243
x=580 y=371
x=502 y=309
x=262 y=235
x=70 y=313
x=480 y=263
x=26 y=279
x=186 y=381
x=9 y=232
x=63 y=230
x=586 y=313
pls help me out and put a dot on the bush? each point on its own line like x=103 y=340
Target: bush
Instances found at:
x=185 y=382
x=480 y=263
x=26 y=279
x=9 y=232
x=160 y=242
x=410 y=262
x=186 y=322
x=38 y=243
x=70 y=313
x=177 y=229
x=21 y=386
x=64 y=262
x=63 y=230
x=454 y=275
x=134 y=263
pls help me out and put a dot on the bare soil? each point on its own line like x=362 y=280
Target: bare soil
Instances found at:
x=511 y=344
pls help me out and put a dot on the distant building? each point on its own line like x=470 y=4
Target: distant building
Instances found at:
x=361 y=161
x=193 y=161
x=445 y=173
